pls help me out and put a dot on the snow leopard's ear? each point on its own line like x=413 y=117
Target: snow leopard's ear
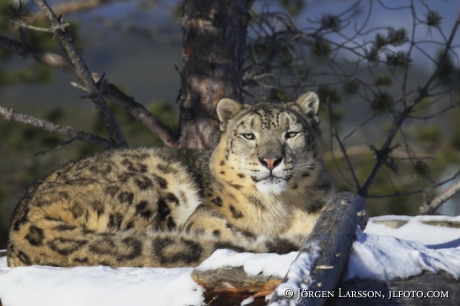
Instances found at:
x=226 y=110
x=308 y=103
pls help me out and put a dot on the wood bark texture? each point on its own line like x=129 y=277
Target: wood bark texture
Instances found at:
x=231 y=285
x=335 y=230
x=214 y=40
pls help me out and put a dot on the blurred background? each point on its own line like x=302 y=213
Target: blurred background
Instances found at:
x=366 y=59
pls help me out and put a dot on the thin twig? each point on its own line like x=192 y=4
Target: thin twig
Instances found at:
x=418 y=191
x=342 y=146
x=10 y=115
x=58 y=147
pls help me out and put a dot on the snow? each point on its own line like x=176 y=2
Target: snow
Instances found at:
x=381 y=253
x=247 y=301
x=98 y=286
x=386 y=253
x=415 y=230
x=385 y=258
x=253 y=264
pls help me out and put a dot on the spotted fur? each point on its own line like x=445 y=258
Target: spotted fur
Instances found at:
x=260 y=190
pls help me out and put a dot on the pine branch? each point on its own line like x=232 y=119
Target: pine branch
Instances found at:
x=39 y=29
x=386 y=149
x=83 y=73
x=61 y=9
x=10 y=115
x=429 y=209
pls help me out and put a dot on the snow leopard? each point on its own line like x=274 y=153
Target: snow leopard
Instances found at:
x=260 y=190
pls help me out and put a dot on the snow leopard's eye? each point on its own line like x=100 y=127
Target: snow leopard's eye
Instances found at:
x=291 y=134
x=248 y=136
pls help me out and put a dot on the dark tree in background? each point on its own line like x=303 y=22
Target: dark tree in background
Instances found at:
x=389 y=126
x=214 y=41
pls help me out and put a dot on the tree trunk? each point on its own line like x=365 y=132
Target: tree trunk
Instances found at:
x=214 y=37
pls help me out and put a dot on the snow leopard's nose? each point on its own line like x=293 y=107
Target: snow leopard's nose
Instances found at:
x=270 y=163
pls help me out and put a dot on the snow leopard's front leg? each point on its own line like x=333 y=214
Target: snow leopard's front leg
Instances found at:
x=206 y=223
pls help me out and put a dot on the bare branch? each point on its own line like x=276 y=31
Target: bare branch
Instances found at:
x=107 y=89
x=84 y=74
x=139 y=112
x=10 y=115
x=429 y=209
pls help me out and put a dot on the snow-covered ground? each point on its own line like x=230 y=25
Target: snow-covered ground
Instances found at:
x=385 y=253
x=381 y=252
